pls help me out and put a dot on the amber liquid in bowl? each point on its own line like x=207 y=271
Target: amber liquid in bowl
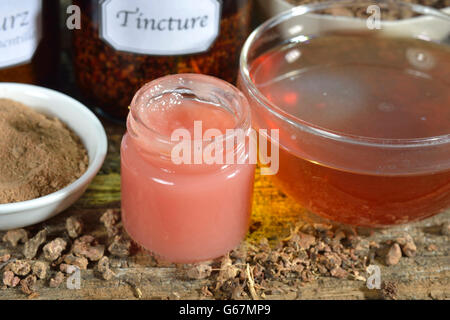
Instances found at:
x=363 y=86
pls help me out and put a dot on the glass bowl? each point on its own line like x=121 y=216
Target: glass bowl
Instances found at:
x=362 y=104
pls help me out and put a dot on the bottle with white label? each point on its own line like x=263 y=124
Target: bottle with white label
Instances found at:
x=28 y=41
x=122 y=45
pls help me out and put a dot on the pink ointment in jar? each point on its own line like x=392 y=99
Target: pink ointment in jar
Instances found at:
x=194 y=210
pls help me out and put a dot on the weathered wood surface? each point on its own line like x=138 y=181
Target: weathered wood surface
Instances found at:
x=426 y=276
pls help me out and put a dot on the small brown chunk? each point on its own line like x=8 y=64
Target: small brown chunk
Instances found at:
x=305 y=241
x=87 y=247
x=108 y=274
x=74 y=227
x=40 y=269
x=27 y=284
x=53 y=249
x=120 y=247
x=331 y=260
x=393 y=255
x=104 y=270
x=64 y=267
x=9 y=279
x=199 y=271
x=110 y=219
x=103 y=264
x=407 y=245
x=5 y=258
x=16 y=236
x=19 y=267
x=338 y=272
x=57 y=280
x=227 y=270
x=32 y=246
x=80 y=262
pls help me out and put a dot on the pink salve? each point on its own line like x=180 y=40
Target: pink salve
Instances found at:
x=185 y=212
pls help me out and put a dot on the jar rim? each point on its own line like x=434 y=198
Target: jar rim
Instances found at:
x=243 y=114
x=310 y=127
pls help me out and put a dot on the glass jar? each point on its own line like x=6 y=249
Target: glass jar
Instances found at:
x=124 y=44
x=190 y=208
x=28 y=41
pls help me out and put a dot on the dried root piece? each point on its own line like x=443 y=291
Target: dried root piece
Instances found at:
x=407 y=245
x=251 y=283
x=19 y=267
x=31 y=246
x=110 y=219
x=80 y=262
x=57 y=280
x=53 y=249
x=393 y=255
x=27 y=284
x=40 y=269
x=5 y=258
x=199 y=271
x=227 y=270
x=10 y=279
x=13 y=237
x=87 y=247
x=74 y=227
x=120 y=247
x=103 y=268
x=303 y=240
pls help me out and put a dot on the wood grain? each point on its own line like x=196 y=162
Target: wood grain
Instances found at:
x=426 y=276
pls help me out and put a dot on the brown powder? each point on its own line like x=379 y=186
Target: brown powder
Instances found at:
x=38 y=154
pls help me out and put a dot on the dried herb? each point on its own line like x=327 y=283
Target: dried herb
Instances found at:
x=110 y=78
x=389 y=290
x=310 y=252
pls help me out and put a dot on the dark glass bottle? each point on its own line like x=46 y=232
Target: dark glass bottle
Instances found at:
x=122 y=45
x=29 y=41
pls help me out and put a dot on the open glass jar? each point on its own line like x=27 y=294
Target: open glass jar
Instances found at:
x=124 y=44
x=190 y=208
x=362 y=105
x=28 y=41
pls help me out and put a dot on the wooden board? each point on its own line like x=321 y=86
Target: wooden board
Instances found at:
x=426 y=276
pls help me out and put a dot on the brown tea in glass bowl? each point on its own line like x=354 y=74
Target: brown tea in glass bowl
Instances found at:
x=363 y=115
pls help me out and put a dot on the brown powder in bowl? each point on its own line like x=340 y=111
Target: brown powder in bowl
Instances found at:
x=38 y=154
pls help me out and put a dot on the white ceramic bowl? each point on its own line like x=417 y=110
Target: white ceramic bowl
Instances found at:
x=84 y=123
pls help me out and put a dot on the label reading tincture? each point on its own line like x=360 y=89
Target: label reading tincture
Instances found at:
x=155 y=27
x=20 y=31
